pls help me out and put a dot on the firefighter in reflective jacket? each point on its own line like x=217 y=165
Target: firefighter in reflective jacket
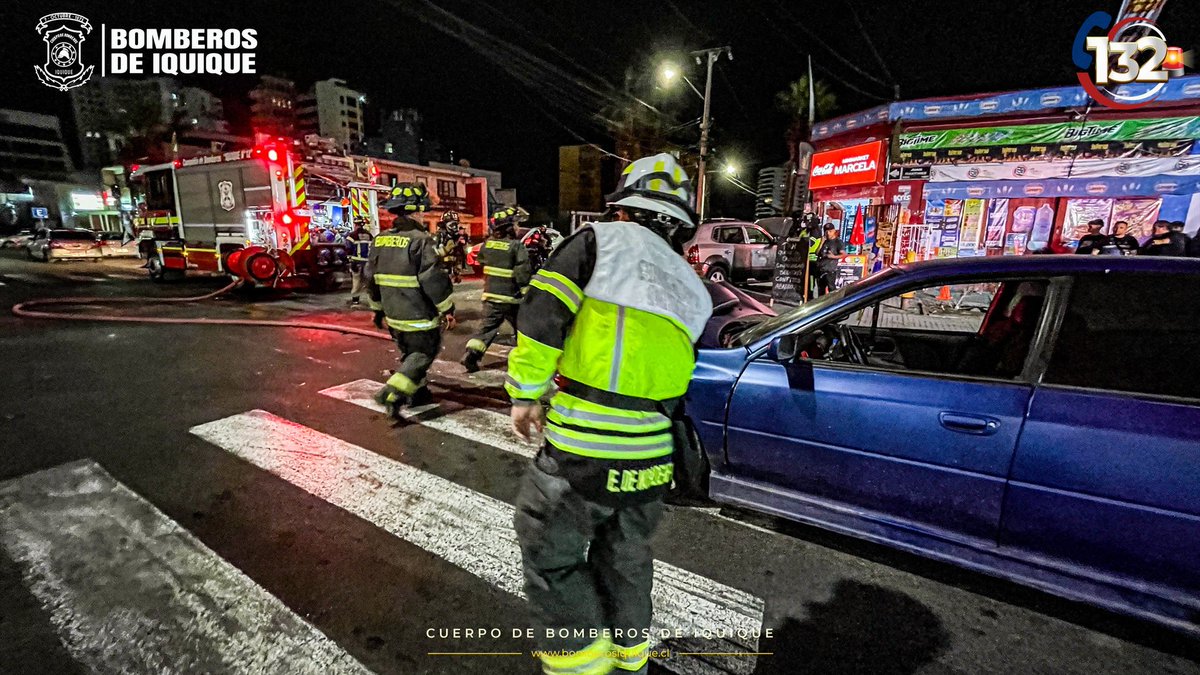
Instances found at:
x=359 y=242
x=612 y=318
x=410 y=293
x=506 y=273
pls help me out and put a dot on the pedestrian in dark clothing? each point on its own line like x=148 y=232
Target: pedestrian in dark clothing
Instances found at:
x=828 y=256
x=1126 y=243
x=1166 y=241
x=1092 y=242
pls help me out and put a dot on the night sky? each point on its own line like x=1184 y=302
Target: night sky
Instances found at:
x=531 y=76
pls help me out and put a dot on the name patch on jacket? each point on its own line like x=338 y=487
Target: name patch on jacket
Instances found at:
x=636 y=480
x=393 y=240
x=499 y=245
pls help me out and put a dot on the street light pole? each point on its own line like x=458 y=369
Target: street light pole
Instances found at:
x=710 y=57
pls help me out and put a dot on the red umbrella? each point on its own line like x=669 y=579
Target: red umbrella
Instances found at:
x=858 y=236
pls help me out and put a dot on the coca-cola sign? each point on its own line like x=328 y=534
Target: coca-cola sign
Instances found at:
x=856 y=165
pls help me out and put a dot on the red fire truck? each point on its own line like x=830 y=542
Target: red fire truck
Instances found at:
x=273 y=215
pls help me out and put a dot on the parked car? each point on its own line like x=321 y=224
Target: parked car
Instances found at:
x=731 y=249
x=62 y=244
x=113 y=245
x=18 y=240
x=1053 y=440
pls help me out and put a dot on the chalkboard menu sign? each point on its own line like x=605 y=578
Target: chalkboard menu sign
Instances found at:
x=789 y=270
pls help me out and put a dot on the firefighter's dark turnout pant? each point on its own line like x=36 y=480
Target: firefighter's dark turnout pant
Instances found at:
x=418 y=350
x=494 y=316
x=587 y=566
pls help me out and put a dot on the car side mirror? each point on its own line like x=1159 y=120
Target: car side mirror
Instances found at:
x=783 y=348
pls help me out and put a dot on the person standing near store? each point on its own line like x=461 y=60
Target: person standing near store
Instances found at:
x=1166 y=241
x=1094 y=241
x=828 y=255
x=1126 y=243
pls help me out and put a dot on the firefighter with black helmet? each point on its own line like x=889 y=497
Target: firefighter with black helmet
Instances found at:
x=612 y=319
x=359 y=243
x=506 y=273
x=450 y=244
x=411 y=295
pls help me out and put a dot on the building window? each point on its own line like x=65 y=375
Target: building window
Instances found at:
x=447 y=188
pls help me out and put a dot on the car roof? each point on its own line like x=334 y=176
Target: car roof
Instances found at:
x=1050 y=265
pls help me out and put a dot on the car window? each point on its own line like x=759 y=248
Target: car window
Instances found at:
x=729 y=235
x=757 y=236
x=1137 y=334
x=980 y=329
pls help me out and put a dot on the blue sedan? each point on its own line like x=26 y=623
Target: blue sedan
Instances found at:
x=1035 y=418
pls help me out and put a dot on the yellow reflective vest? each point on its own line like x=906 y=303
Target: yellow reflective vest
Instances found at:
x=615 y=314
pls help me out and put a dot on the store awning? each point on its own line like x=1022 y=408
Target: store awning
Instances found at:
x=1148 y=186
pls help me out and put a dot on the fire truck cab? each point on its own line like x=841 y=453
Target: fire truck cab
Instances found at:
x=274 y=215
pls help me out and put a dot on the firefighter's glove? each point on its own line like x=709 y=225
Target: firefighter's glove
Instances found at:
x=527 y=416
x=379 y=317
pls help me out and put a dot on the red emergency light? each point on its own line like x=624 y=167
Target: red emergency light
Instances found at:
x=1173 y=63
x=134 y=168
x=177 y=163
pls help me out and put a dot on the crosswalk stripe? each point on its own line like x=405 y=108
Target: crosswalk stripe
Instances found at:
x=474 y=531
x=476 y=424
x=129 y=590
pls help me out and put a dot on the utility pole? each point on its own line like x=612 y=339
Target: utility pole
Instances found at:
x=709 y=57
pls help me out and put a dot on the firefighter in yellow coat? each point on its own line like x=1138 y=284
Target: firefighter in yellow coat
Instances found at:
x=612 y=318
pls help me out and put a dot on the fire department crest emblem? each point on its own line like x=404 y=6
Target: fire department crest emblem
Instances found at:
x=225 y=194
x=63 y=34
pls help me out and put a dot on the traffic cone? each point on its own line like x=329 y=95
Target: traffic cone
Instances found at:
x=944 y=294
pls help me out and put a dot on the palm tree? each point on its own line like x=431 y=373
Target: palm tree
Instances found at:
x=793 y=100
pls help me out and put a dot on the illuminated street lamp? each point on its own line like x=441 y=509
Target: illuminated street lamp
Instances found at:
x=668 y=72
x=730 y=170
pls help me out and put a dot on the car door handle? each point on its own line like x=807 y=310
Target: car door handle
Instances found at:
x=968 y=424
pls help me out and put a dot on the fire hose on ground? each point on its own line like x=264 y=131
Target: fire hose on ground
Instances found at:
x=24 y=311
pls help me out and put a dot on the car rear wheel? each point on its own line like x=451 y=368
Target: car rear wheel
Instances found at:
x=717 y=273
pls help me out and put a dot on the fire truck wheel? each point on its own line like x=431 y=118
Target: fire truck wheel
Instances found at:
x=156 y=270
x=159 y=273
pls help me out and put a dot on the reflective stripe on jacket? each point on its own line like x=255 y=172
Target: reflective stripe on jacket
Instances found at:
x=615 y=313
x=407 y=283
x=360 y=245
x=505 y=270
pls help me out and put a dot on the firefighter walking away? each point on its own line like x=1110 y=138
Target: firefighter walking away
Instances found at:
x=506 y=273
x=612 y=318
x=411 y=294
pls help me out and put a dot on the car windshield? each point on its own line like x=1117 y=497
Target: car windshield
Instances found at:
x=760 y=330
x=73 y=235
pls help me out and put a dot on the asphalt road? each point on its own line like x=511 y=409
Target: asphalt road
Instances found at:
x=222 y=499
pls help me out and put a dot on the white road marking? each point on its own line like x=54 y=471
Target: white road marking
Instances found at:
x=473 y=531
x=474 y=424
x=129 y=590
